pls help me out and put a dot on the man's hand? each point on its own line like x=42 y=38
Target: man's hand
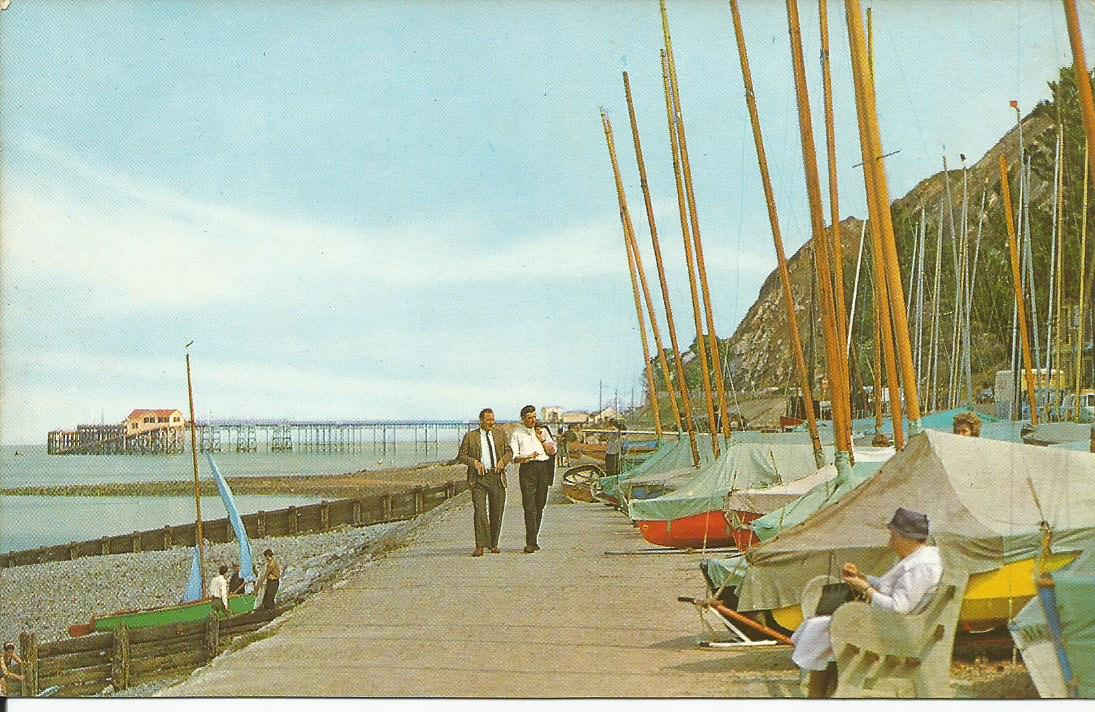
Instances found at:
x=849 y=569
x=479 y=467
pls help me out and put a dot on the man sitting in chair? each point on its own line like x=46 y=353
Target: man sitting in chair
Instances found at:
x=905 y=588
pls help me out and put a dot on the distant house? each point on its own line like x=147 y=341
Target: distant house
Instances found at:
x=608 y=414
x=143 y=420
x=551 y=413
x=688 y=356
x=575 y=417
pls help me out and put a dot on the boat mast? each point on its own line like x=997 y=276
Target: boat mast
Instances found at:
x=198 y=535
x=1087 y=105
x=686 y=164
x=777 y=240
x=657 y=257
x=682 y=209
x=682 y=385
x=834 y=202
x=1005 y=191
x=629 y=244
x=836 y=364
x=1079 y=358
x=876 y=170
x=1054 y=279
x=882 y=303
x=855 y=285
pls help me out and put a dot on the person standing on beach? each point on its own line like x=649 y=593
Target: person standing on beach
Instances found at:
x=270 y=579
x=486 y=460
x=534 y=450
x=218 y=589
x=235 y=584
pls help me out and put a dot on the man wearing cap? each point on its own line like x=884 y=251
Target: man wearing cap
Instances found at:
x=533 y=449
x=905 y=588
x=486 y=458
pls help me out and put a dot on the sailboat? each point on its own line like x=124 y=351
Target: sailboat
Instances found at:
x=195 y=606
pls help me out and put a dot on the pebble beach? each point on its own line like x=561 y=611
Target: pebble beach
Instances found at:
x=47 y=598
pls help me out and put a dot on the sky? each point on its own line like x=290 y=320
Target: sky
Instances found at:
x=407 y=209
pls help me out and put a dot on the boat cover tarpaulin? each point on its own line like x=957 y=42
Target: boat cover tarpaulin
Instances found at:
x=1064 y=432
x=769 y=499
x=978 y=501
x=676 y=470
x=943 y=421
x=744 y=465
x=673 y=454
x=821 y=494
x=1075 y=597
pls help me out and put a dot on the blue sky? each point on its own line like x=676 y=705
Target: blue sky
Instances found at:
x=370 y=210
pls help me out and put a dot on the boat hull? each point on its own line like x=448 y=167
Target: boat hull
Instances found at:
x=709 y=529
x=992 y=597
x=195 y=612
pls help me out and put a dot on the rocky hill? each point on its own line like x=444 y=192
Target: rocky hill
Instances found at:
x=759 y=350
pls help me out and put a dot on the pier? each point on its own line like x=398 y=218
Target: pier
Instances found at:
x=254 y=436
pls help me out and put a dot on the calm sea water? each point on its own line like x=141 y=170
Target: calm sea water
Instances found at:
x=28 y=522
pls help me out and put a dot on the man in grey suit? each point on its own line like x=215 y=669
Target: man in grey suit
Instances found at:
x=486 y=458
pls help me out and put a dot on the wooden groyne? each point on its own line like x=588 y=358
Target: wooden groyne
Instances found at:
x=319 y=517
x=122 y=658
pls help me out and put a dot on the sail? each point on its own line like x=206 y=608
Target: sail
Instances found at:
x=194 y=586
x=247 y=570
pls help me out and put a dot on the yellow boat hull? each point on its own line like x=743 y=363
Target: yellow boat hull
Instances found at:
x=992 y=597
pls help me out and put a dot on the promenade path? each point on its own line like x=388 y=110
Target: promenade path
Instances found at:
x=429 y=620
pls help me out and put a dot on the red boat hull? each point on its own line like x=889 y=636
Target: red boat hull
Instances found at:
x=709 y=529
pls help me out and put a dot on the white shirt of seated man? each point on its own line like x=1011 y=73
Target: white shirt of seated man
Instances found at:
x=906 y=588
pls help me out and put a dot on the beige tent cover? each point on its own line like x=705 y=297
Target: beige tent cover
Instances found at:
x=977 y=499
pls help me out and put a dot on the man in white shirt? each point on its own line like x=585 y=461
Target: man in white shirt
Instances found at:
x=218 y=589
x=905 y=588
x=486 y=458
x=534 y=450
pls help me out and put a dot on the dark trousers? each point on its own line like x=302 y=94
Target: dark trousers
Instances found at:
x=271 y=591
x=612 y=464
x=535 y=479
x=488 y=496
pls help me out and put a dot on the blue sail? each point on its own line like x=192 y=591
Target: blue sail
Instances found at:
x=194 y=586
x=247 y=571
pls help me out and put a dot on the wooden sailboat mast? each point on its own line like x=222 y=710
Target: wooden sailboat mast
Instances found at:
x=682 y=384
x=836 y=363
x=873 y=161
x=1079 y=358
x=666 y=376
x=1005 y=191
x=834 y=199
x=629 y=243
x=682 y=208
x=777 y=239
x=686 y=165
x=198 y=534
x=1087 y=106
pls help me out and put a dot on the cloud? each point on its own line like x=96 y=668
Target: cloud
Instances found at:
x=141 y=247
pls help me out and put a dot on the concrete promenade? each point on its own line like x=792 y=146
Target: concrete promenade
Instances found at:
x=429 y=620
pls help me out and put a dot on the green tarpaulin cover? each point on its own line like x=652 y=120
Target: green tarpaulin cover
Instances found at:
x=1075 y=599
x=744 y=465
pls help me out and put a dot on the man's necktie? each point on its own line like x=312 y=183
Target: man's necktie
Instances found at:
x=490 y=447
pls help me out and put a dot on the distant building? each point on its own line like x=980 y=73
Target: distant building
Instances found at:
x=575 y=417
x=608 y=414
x=143 y=420
x=551 y=413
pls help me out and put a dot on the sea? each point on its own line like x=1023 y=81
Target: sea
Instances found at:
x=27 y=522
